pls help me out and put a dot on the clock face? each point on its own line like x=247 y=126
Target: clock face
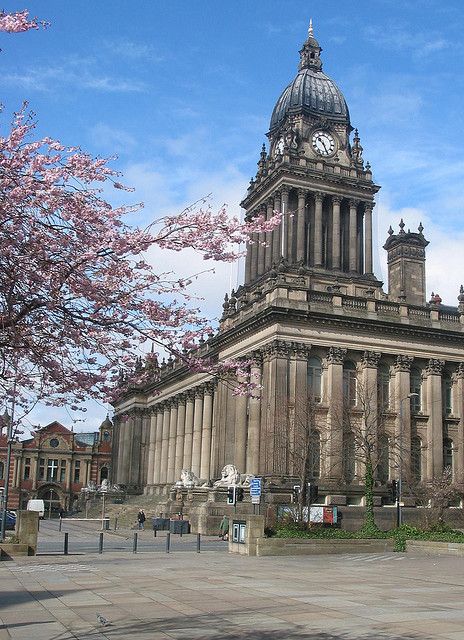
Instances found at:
x=279 y=148
x=323 y=143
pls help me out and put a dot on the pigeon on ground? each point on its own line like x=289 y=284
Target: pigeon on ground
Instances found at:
x=102 y=620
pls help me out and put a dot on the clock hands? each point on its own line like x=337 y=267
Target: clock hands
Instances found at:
x=320 y=139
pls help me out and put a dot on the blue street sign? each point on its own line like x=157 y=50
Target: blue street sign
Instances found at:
x=255 y=487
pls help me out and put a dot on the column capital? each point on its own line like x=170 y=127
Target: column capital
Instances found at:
x=403 y=363
x=209 y=387
x=369 y=205
x=319 y=196
x=257 y=357
x=277 y=348
x=302 y=192
x=337 y=199
x=353 y=203
x=336 y=355
x=190 y=395
x=182 y=398
x=198 y=392
x=284 y=189
x=300 y=350
x=370 y=359
x=435 y=367
x=459 y=373
x=270 y=201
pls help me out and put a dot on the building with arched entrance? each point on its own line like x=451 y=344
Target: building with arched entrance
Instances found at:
x=55 y=464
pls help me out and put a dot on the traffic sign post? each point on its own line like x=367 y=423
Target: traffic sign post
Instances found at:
x=255 y=491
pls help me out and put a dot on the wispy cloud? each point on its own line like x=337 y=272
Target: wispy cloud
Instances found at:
x=125 y=48
x=398 y=38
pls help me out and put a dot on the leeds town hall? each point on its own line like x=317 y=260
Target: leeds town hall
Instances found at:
x=321 y=333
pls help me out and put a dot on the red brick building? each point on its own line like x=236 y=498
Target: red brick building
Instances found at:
x=55 y=464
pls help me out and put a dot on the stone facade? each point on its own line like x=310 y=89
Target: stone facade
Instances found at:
x=319 y=329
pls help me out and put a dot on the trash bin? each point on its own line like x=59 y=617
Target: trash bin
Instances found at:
x=179 y=526
x=161 y=524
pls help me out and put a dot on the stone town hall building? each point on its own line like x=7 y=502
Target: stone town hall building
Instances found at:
x=318 y=325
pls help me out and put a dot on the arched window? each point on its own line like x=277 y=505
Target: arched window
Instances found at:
x=2 y=470
x=315 y=454
x=315 y=379
x=349 y=383
x=349 y=459
x=416 y=458
x=416 y=387
x=448 y=458
x=447 y=395
x=384 y=387
x=103 y=474
x=383 y=469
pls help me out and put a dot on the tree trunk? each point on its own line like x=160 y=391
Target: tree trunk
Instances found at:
x=369 y=520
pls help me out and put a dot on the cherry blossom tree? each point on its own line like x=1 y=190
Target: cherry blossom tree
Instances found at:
x=78 y=296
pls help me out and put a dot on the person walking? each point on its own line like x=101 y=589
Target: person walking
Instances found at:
x=224 y=528
x=141 y=519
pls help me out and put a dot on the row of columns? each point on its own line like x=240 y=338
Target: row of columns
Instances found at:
x=181 y=431
x=268 y=248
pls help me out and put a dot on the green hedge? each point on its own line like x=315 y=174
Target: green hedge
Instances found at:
x=439 y=533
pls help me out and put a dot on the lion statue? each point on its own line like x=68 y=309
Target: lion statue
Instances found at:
x=230 y=476
x=188 y=480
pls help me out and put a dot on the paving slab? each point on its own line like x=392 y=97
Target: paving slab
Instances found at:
x=226 y=597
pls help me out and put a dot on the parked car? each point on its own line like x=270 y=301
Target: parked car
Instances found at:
x=10 y=519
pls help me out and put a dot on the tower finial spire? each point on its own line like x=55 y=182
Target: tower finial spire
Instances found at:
x=310 y=29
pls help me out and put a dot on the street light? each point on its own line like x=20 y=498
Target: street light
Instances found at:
x=399 y=491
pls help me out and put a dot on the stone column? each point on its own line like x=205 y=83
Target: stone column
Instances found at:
x=180 y=435
x=334 y=457
x=299 y=408
x=435 y=421
x=285 y=224
x=197 y=423
x=268 y=248
x=368 y=404
x=158 y=443
x=165 y=442
x=190 y=399
x=402 y=453
x=353 y=233
x=172 y=441
x=318 y=199
x=458 y=410
x=207 y=424
x=34 y=465
x=300 y=226
x=248 y=259
x=336 y=200
x=254 y=253
x=241 y=418
x=254 y=417
x=127 y=447
x=151 y=447
x=261 y=241
x=136 y=450
x=368 y=206
x=277 y=233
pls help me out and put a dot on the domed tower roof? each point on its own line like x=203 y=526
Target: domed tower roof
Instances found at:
x=106 y=424
x=311 y=92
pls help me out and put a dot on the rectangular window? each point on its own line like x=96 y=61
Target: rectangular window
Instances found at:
x=63 y=471
x=52 y=470
x=27 y=469
x=77 y=470
x=41 y=469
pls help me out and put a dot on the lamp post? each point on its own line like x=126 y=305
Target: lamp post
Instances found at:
x=399 y=490
x=103 y=490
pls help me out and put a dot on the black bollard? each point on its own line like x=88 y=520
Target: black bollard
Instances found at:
x=154 y=532
x=115 y=524
x=61 y=521
x=198 y=542
x=66 y=543
x=168 y=541
x=134 y=543
x=100 y=543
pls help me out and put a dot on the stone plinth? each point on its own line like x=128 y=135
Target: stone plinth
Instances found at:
x=27 y=528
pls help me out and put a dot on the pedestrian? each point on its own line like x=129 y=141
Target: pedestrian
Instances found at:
x=62 y=512
x=224 y=528
x=141 y=519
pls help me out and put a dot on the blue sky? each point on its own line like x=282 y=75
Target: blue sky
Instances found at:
x=183 y=91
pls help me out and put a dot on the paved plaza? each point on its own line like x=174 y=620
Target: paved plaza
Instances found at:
x=216 y=595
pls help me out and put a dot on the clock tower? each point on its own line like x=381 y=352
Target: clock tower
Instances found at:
x=315 y=175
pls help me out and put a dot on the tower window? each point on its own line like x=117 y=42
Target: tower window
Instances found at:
x=315 y=379
x=448 y=457
x=416 y=387
x=27 y=469
x=447 y=394
x=416 y=458
x=384 y=387
x=349 y=384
